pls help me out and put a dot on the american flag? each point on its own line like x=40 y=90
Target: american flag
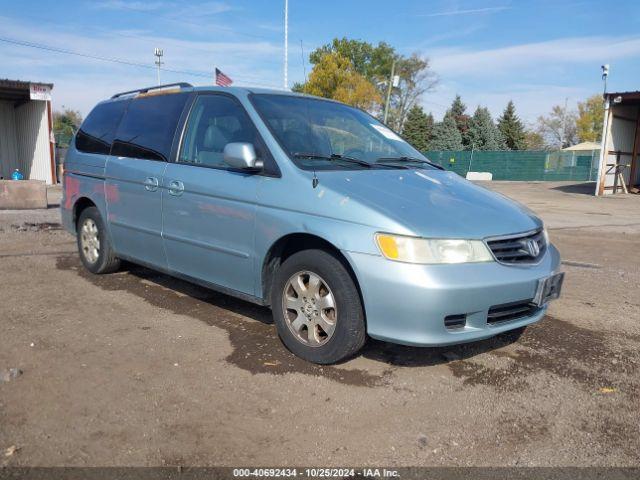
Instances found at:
x=222 y=80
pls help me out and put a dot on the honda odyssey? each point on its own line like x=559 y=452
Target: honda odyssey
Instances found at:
x=309 y=206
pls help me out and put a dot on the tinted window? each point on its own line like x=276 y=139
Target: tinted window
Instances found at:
x=148 y=127
x=97 y=131
x=214 y=121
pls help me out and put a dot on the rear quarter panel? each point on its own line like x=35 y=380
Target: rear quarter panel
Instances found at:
x=83 y=178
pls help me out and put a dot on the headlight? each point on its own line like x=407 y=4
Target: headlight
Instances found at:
x=432 y=251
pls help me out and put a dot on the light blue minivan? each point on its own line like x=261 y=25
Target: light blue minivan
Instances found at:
x=309 y=206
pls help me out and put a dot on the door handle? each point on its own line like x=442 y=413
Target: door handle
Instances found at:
x=176 y=187
x=151 y=184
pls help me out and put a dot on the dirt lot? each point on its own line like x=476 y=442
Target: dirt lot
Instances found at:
x=137 y=368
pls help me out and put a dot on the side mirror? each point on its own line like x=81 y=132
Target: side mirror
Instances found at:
x=241 y=155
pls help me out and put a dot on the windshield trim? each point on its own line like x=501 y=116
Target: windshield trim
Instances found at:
x=290 y=156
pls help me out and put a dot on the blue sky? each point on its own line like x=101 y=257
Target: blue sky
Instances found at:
x=489 y=51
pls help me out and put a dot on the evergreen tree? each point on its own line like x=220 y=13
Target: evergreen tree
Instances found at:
x=483 y=133
x=459 y=112
x=418 y=128
x=446 y=135
x=431 y=123
x=512 y=128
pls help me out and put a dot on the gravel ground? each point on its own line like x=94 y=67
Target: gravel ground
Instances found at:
x=137 y=368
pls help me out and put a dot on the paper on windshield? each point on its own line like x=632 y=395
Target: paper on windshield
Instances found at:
x=386 y=132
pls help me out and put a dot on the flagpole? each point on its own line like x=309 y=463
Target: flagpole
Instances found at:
x=286 y=43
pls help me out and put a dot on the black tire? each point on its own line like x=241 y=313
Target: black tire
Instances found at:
x=349 y=334
x=106 y=261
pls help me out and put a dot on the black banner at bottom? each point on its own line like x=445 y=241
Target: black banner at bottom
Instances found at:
x=308 y=473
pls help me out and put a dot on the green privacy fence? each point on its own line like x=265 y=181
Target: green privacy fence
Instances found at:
x=522 y=164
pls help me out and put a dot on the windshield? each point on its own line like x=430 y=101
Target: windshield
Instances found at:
x=325 y=135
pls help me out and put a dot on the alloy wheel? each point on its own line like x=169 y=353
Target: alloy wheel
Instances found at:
x=90 y=240
x=309 y=308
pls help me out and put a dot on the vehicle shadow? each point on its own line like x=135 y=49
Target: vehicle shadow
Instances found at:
x=376 y=350
x=256 y=346
x=406 y=356
x=582 y=188
x=199 y=293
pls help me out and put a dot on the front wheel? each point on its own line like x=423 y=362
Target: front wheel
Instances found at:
x=317 y=308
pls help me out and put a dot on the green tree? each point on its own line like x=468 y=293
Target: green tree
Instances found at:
x=298 y=87
x=334 y=76
x=374 y=63
x=446 y=135
x=512 y=128
x=65 y=124
x=590 y=119
x=483 y=133
x=459 y=112
x=418 y=128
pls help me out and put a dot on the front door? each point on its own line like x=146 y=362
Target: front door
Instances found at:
x=209 y=209
x=134 y=176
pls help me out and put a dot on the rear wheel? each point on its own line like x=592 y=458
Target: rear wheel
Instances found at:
x=317 y=308
x=94 y=246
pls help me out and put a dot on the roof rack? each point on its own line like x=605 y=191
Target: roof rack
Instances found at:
x=145 y=90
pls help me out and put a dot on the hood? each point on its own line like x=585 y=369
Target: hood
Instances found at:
x=432 y=203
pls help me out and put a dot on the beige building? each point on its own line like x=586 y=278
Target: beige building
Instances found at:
x=619 y=167
x=583 y=147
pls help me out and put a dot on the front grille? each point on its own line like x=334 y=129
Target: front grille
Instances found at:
x=516 y=249
x=511 y=311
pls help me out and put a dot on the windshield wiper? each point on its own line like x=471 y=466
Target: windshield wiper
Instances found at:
x=332 y=157
x=407 y=160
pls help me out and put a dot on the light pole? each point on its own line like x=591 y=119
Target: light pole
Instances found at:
x=605 y=75
x=286 y=43
x=158 y=52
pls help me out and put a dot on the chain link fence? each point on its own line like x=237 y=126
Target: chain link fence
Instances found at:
x=522 y=164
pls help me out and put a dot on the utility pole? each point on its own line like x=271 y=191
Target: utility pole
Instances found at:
x=564 y=123
x=304 y=65
x=158 y=52
x=286 y=43
x=389 y=87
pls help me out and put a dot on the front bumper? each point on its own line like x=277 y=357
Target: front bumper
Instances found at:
x=407 y=304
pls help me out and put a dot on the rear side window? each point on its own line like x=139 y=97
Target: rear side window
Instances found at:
x=98 y=130
x=148 y=127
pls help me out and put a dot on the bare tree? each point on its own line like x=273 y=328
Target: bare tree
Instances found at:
x=558 y=128
x=416 y=78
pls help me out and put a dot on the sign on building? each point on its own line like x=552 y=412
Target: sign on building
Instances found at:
x=39 y=92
